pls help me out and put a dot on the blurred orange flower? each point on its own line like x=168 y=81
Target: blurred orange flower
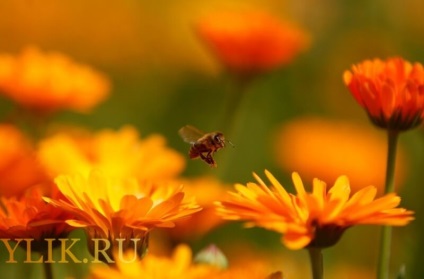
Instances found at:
x=316 y=219
x=332 y=147
x=251 y=42
x=180 y=265
x=32 y=218
x=19 y=167
x=206 y=190
x=149 y=158
x=50 y=81
x=112 y=208
x=391 y=91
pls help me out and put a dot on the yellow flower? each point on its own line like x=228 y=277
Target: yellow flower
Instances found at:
x=50 y=81
x=391 y=91
x=313 y=145
x=316 y=219
x=117 y=208
x=250 y=42
x=31 y=218
x=180 y=265
x=148 y=158
x=206 y=190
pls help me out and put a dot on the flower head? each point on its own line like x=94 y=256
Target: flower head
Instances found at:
x=148 y=158
x=206 y=190
x=391 y=91
x=179 y=265
x=32 y=218
x=18 y=157
x=316 y=219
x=117 y=208
x=50 y=81
x=251 y=42
x=332 y=147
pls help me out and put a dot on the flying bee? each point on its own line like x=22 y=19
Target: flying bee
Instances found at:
x=203 y=144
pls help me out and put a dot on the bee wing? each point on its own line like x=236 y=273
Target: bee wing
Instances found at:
x=190 y=134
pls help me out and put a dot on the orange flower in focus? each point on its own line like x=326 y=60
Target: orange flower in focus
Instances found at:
x=330 y=148
x=251 y=42
x=50 y=81
x=206 y=190
x=112 y=208
x=391 y=91
x=179 y=265
x=118 y=153
x=32 y=218
x=19 y=167
x=316 y=219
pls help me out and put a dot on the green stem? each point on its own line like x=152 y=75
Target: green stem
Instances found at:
x=48 y=272
x=231 y=119
x=232 y=106
x=315 y=255
x=386 y=234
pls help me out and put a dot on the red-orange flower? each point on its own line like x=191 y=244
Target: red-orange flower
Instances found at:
x=391 y=91
x=50 y=81
x=316 y=219
x=252 y=41
x=19 y=167
x=31 y=217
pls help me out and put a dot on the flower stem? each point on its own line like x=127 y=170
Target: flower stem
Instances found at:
x=48 y=272
x=386 y=234
x=315 y=255
x=232 y=106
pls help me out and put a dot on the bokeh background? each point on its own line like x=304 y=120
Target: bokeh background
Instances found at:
x=163 y=77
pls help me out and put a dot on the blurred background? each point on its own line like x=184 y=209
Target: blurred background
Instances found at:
x=293 y=118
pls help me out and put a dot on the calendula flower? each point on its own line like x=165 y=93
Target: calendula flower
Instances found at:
x=148 y=158
x=19 y=166
x=251 y=42
x=50 y=81
x=179 y=265
x=307 y=220
x=391 y=91
x=30 y=217
x=314 y=145
x=117 y=208
x=206 y=190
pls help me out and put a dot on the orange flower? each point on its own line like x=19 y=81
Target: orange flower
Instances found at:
x=17 y=158
x=332 y=147
x=50 y=81
x=391 y=91
x=66 y=153
x=180 y=265
x=112 y=208
x=31 y=218
x=316 y=219
x=206 y=190
x=251 y=42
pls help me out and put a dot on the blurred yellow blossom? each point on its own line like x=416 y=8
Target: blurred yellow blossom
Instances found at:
x=50 y=81
x=180 y=265
x=251 y=42
x=118 y=208
x=317 y=219
x=329 y=148
x=118 y=153
x=206 y=190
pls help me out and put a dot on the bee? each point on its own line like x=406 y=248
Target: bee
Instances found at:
x=203 y=144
